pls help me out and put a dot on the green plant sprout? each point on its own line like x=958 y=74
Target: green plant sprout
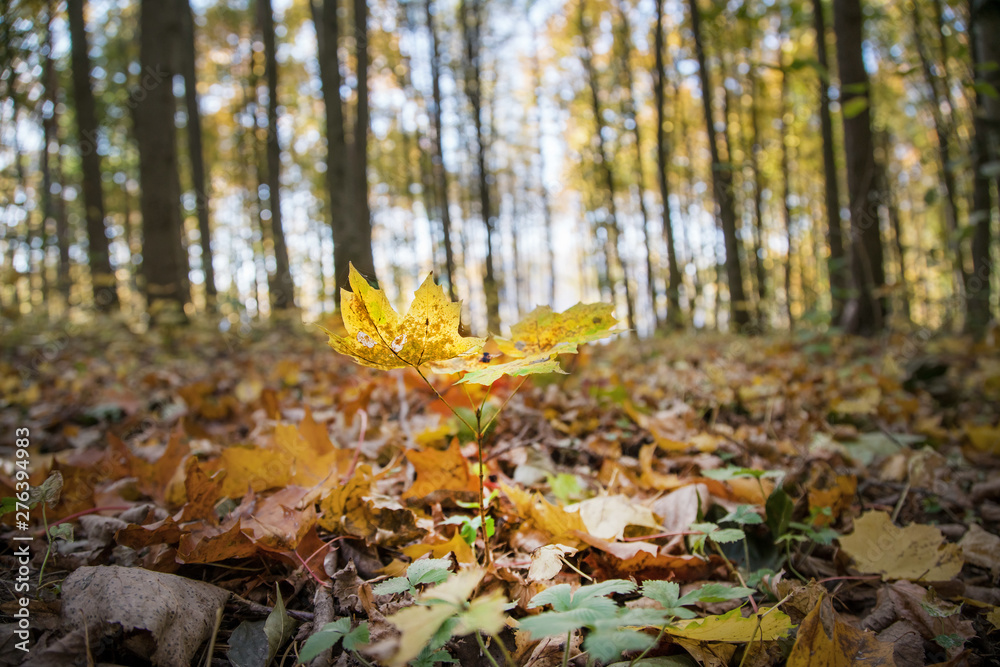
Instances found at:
x=427 y=338
x=424 y=571
x=610 y=627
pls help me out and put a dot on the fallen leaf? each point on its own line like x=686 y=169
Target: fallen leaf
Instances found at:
x=456 y=545
x=981 y=548
x=608 y=516
x=917 y=552
x=547 y=561
x=824 y=640
x=441 y=470
x=177 y=611
x=768 y=624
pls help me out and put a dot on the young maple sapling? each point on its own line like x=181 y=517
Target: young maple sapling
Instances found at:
x=428 y=338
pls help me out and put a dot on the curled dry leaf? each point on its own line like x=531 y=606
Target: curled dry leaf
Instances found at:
x=178 y=612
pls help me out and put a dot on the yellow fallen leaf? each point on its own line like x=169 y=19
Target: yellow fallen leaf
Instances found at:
x=379 y=338
x=456 y=545
x=769 y=624
x=838 y=496
x=864 y=403
x=440 y=470
x=543 y=331
x=547 y=517
x=993 y=616
x=917 y=552
x=984 y=438
x=823 y=640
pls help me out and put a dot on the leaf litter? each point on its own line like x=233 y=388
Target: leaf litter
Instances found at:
x=239 y=468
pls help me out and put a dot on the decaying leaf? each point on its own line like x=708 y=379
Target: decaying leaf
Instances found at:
x=608 y=516
x=179 y=613
x=441 y=470
x=379 y=338
x=824 y=640
x=917 y=552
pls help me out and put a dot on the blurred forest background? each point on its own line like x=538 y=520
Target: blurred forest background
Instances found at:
x=747 y=166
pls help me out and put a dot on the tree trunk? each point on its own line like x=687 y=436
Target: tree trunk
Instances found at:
x=675 y=318
x=53 y=205
x=866 y=311
x=942 y=132
x=543 y=189
x=195 y=151
x=984 y=28
x=361 y=229
x=837 y=262
x=282 y=288
x=438 y=168
x=163 y=262
x=786 y=209
x=612 y=250
x=103 y=278
x=722 y=182
x=472 y=24
x=624 y=38
x=758 y=186
x=351 y=232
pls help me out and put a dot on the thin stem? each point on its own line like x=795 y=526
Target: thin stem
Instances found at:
x=441 y=398
x=656 y=642
x=488 y=556
x=482 y=646
x=788 y=555
x=508 y=658
x=734 y=571
x=504 y=404
x=48 y=548
x=569 y=640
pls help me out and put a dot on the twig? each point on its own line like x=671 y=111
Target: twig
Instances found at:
x=263 y=610
x=215 y=632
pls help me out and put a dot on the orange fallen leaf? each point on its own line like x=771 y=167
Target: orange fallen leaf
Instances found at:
x=440 y=470
x=456 y=545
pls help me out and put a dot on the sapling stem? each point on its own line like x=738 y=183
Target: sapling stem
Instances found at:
x=663 y=630
x=569 y=640
x=482 y=647
x=488 y=556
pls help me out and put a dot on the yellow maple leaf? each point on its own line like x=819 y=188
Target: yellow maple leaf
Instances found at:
x=542 y=330
x=379 y=338
x=767 y=625
x=539 y=337
x=917 y=552
x=456 y=545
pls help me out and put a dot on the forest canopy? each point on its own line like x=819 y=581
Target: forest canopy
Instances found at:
x=742 y=166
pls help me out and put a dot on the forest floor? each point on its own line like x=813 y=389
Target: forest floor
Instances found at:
x=853 y=485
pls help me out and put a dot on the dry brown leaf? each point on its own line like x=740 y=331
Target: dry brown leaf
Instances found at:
x=824 y=640
x=917 y=552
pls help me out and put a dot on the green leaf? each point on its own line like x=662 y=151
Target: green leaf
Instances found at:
x=430 y=657
x=48 y=491
x=727 y=535
x=779 y=512
x=715 y=592
x=732 y=472
x=62 y=531
x=854 y=107
x=248 y=645
x=743 y=515
x=357 y=637
x=658 y=661
x=391 y=586
x=278 y=627
x=559 y=596
x=606 y=644
x=428 y=571
x=326 y=638
x=550 y=623
x=643 y=618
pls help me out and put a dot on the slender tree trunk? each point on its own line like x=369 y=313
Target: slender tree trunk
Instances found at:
x=53 y=204
x=892 y=210
x=543 y=189
x=199 y=182
x=103 y=278
x=282 y=288
x=361 y=238
x=675 y=318
x=439 y=171
x=624 y=39
x=942 y=132
x=722 y=181
x=985 y=48
x=786 y=209
x=837 y=262
x=866 y=311
x=612 y=249
x=472 y=23
x=758 y=186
